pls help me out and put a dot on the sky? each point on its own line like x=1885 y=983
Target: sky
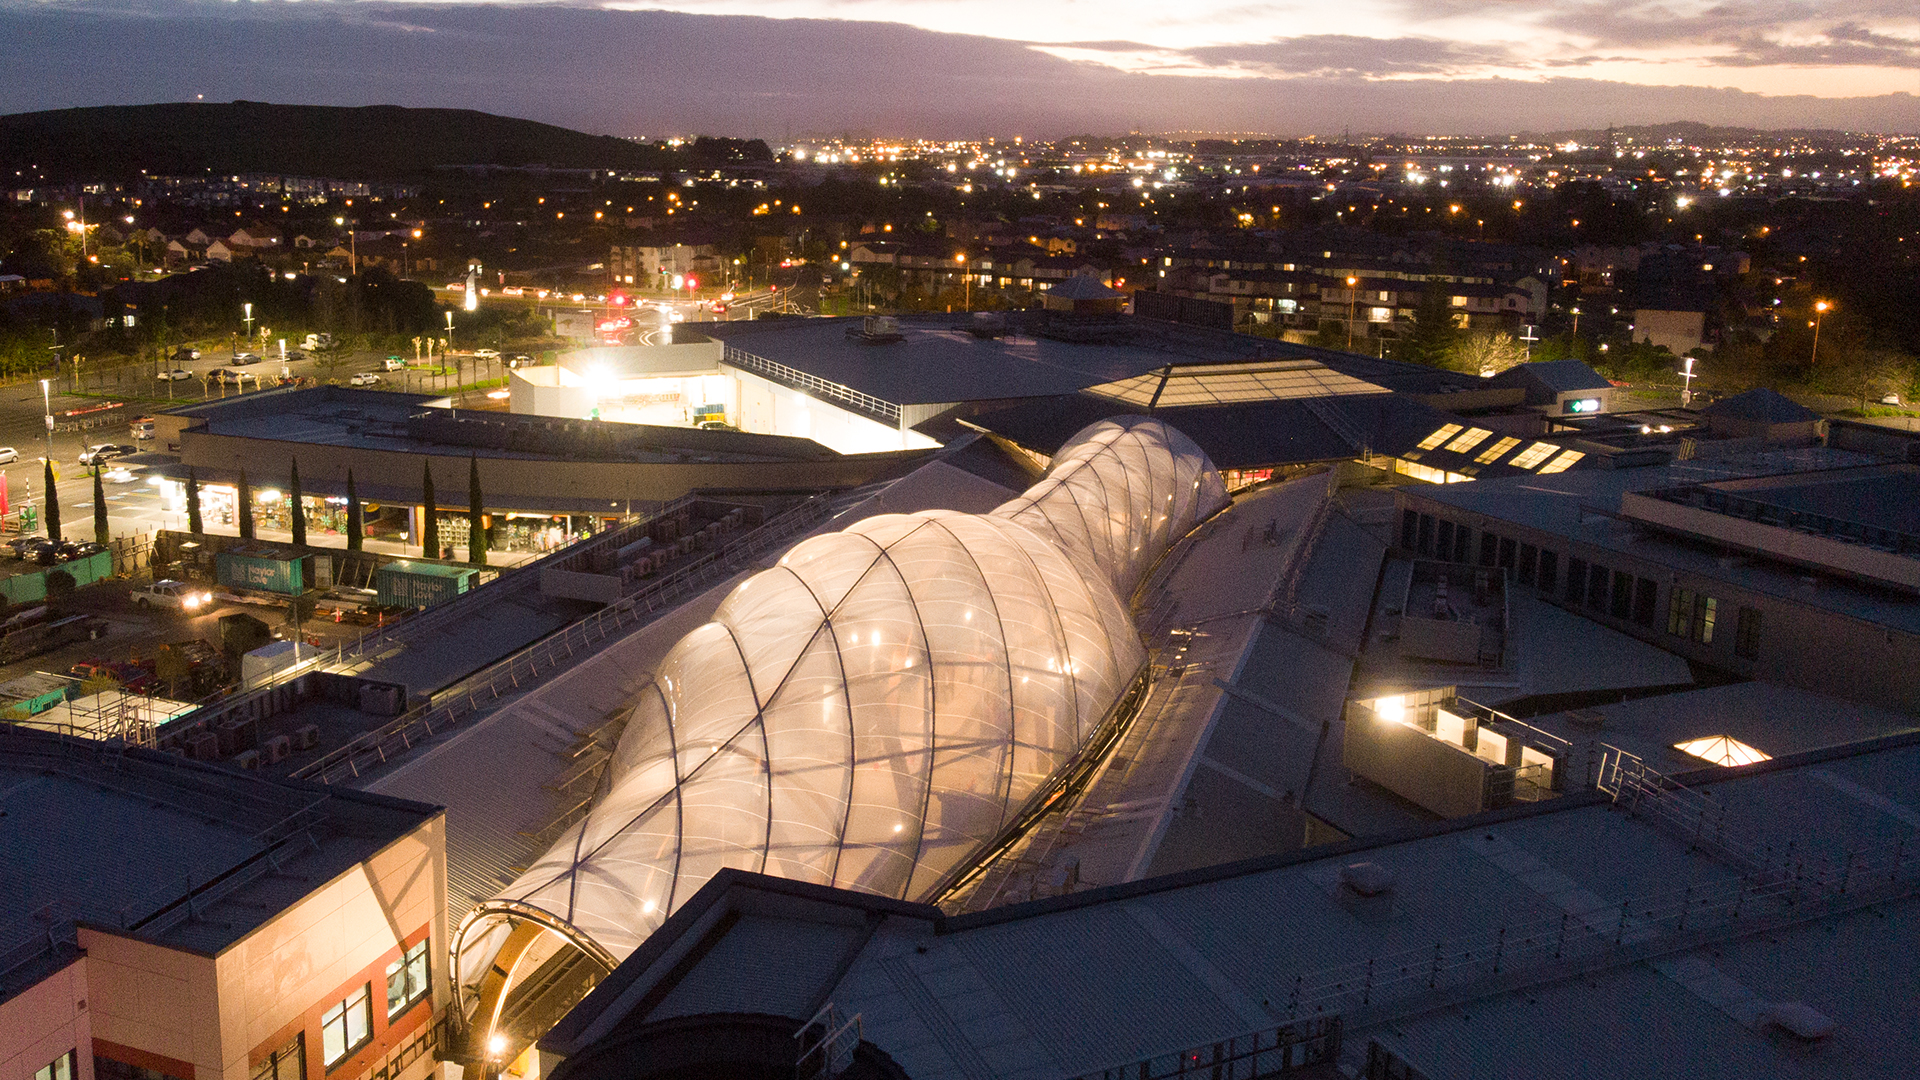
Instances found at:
x=961 y=68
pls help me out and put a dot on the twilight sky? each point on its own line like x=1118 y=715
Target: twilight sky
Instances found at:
x=968 y=67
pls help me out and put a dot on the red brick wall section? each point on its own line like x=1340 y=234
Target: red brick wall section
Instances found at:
x=388 y=1035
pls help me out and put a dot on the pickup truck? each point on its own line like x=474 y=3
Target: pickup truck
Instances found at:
x=178 y=595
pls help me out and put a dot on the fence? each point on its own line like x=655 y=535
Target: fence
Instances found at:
x=879 y=408
x=1273 y=1051
x=544 y=658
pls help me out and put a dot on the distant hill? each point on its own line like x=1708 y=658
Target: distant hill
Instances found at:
x=374 y=142
x=1698 y=134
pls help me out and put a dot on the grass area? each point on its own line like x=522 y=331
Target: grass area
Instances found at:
x=1878 y=412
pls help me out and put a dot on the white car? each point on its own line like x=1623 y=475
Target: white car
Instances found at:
x=174 y=594
x=172 y=374
x=365 y=378
x=486 y=354
x=121 y=476
x=8 y=455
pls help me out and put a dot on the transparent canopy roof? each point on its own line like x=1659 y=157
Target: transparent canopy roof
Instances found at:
x=874 y=709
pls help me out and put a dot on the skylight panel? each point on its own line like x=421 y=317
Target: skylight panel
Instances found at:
x=1438 y=437
x=1473 y=437
x=1492 y=453
x=1562 y=463
x=1722 y=750
x=1533 y=455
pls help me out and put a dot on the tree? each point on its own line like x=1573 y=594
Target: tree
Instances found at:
x=53 y=504
x=193 y=502
x=296 y=509
x=355 y=525
x=476 y=520
x=430 y=523
x=243 y=507
x=100 y=535
x=1434 y=330
x=1486 y=354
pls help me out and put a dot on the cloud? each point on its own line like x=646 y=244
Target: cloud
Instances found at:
x=656 y=73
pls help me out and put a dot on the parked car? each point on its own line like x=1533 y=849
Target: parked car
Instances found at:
x=245 y=358
x=121 y=476
x=172 y=374
x=183 y=355
x=8 y=455
x=25 y=546
x=486 y=354
x=95 y=455
x=519 y=360
x=294 y=356
x=178 y=595
x=228 y=375
x=318 y=341
x=395 y=363
x=365 y=378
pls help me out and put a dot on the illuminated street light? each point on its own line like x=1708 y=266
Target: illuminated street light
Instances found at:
x=961 y=258
x=1820 y=308
x=1351 y=297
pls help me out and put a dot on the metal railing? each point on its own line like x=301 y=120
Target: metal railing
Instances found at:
x=1785 y=517
x=813 y=384
x=546 y=657
x=1270 y=1051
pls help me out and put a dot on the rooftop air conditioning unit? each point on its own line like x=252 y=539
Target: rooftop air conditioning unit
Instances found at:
x=247 y=759
x=306 y=737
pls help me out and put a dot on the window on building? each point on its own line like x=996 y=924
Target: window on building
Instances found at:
x=1622 y=605
x=1426 y=534
x=1746 y=634
x=407 y=979
x=106 y=1068
x=1597 y=587
x=61 y=1068
x=347 y=1026
x=1443 y=539
x=1549 y=570
x=1692 y=615
x=1529 y=562
x=287 y=1063
x=1646 y=600
x=1410 y=529
x=1462 y=542
x=1576 y=580
x=1506 y=553
x=1489 y=549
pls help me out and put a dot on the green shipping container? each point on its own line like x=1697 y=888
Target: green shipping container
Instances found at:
x=238 y=570
x=405 y=583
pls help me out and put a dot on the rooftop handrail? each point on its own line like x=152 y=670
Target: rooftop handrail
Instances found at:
x=466 y=696
x=813 y=383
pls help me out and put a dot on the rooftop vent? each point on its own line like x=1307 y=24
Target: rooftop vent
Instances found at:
x=1366 y=878
x=877 y=330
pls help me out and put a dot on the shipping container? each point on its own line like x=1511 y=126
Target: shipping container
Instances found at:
x=405 y=583
x=261 y=569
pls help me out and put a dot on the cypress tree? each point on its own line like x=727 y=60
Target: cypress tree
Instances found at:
x=53 y=505
x=430 y=520
x=99 y=508
x=243 y=507
x=296 y=510
x=476 y=521
x=354 y=523
x=193 y=502
x=1434 y=332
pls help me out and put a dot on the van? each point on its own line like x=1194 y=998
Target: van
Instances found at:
x=317 y=341
x=143 y=428
x=396 y=363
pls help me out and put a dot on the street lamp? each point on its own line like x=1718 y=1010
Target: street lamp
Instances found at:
x=248 y=309
x=449 y=328
x=1352 y=297
x=1686 y=392
x=1820 y=308
x=961 y=258
x=46 y=396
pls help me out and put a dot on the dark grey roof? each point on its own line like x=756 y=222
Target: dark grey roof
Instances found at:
x=112 y=838
x=1763 y=405
x=1082 y=287
x=1559 y=376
